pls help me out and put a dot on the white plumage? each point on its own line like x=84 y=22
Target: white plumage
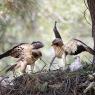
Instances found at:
x=76 y=65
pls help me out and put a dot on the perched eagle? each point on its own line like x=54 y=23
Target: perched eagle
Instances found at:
x=73 y=47
x=26 y=54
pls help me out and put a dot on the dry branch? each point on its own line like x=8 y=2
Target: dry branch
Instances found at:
x=56 y=82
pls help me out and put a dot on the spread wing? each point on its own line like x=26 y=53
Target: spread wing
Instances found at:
x=57 y=35
x=76 y=46
x=15 y=52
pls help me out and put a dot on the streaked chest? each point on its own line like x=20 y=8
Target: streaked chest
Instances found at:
x=58 y=51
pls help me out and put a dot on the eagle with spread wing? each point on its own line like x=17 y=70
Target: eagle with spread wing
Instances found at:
x=73 y=47
x=26 y=54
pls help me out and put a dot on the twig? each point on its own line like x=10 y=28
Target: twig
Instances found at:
x=51 y=62
x=85 y=13
x=42 y=68
x=91 y=85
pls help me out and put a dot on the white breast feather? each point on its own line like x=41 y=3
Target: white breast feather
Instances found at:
x=76 y=65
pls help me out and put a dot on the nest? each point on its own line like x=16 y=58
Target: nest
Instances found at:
x=56 y=82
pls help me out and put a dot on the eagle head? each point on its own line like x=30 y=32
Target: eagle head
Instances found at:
x=57 y=42
x=37 y=44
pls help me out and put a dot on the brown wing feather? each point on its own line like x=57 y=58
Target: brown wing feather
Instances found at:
x=57 y=35
x=76 y=46
x=12 y=51
x=17 y=51
x=85 y=47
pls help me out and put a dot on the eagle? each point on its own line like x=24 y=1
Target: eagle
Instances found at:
x=73 y=47
x=27 y=59
x=26 y=54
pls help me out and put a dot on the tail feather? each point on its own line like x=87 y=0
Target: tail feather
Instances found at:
x=90 y=50
x=11 y=68
x=57 y=35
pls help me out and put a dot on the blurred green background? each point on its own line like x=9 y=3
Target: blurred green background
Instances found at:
x=29 y=20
